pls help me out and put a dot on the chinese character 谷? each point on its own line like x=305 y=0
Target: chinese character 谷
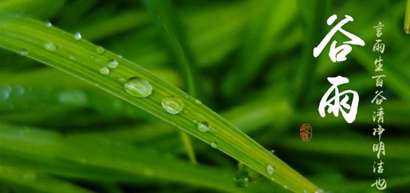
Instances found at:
x=380 y=184
x=379 y=98
x=335 y=105
x=338 y=54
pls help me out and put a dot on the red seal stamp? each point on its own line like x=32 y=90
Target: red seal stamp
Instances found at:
x=306 y=132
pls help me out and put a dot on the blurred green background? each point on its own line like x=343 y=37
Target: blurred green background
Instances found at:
x=253 y=64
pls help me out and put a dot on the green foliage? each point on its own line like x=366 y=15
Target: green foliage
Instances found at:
x=249 y=61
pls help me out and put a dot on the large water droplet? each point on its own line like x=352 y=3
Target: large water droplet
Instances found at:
x=99 y=50
x=138 y=87
x=104 y=70
x=50 y=46
x=214 y=145
x=203 y=126
x=77 y=36
x=72 y=97
x=172 y=105
x=270 y=169
x=23 y=52
x=112 y=64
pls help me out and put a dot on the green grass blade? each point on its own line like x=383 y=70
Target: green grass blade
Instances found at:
x=406 y=26
x=86 y=61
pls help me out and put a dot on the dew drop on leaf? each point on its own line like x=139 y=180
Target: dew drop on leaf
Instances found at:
x=77 y=36
x=99 y=50
x=172 y=105
x=50 y=46
x=23 y=52
x=49 y=24
x=112 y=64
x=214 y=145
x=319 y=191
x=203 y=126
x=138 y=87
x=198 y=102
x=270 y=169
x=104 y=70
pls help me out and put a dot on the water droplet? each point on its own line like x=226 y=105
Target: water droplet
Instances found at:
x=77 y=36
x=112 y=64
x=319 y=191
x=104 y=70
x=198 y=102
x=138 y=87
x=50 y=46
x=49 y=24
x=203 y=126
x=172 y=105
x=270 y=169
x=214 y=145
x=99 y=50
x=23 y=52
x=72 y=97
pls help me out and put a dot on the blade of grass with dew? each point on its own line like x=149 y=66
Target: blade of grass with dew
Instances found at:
x=89 y=62
x=30 y=181
x=89 y=158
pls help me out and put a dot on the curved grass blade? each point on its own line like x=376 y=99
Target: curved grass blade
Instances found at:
x=89 y=62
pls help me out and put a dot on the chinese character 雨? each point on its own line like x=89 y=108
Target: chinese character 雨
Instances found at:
x=379 y=115
x=379 y=148
x=378 y=64
x=379 y=98
x=380 y=168
x=335 y=105
x=379 y=80
x=380 y=184
x=338 y=54
x=379 y=131
x=379 y=46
